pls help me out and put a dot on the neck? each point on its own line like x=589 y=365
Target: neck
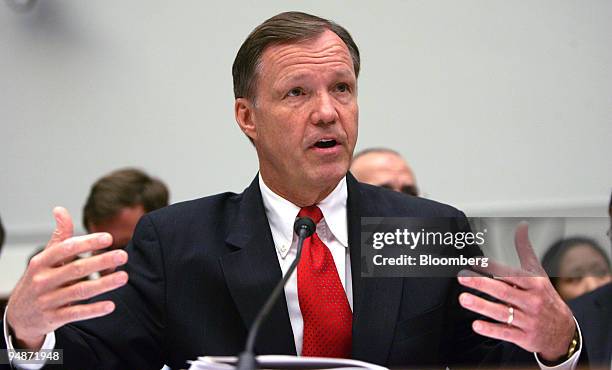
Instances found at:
x=302 y=195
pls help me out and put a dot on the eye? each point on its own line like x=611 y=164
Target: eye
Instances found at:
x=571 y=280
x=342 y=87
x=296 y=91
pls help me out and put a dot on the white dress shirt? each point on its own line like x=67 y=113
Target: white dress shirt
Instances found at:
x=332 y=230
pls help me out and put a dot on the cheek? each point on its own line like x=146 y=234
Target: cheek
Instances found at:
x=282 y=126
x=353 y=124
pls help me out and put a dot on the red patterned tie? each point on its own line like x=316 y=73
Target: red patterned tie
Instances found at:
x=328 y=319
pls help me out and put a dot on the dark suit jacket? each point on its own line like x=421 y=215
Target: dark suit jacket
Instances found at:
x=594 y=314
x=200 y=270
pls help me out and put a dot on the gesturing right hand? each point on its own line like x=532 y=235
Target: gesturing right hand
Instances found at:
x=46 y=296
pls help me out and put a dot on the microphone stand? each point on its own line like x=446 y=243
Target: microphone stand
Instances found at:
x=304 y=227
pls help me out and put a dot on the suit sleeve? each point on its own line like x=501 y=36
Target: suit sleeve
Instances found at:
x=131 y=336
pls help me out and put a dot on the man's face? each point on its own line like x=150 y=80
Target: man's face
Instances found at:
x=304 y=120
x=121 y=226
x=385 y=169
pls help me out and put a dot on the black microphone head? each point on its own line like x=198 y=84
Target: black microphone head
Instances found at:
x=304 y=223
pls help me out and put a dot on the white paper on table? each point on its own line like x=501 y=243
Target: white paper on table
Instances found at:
x=282 y=362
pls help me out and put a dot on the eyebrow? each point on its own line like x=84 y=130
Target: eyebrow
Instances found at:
x=339 y=73
x=344 y=73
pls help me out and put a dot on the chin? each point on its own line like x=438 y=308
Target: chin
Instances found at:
x=330 y=174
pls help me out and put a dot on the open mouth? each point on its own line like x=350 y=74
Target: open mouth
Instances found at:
x=325 y=143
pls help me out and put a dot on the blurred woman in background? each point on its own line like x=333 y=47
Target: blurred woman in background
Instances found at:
x=576 y=266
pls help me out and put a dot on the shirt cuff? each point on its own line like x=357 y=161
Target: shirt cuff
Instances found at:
x=48 y=344
x=569 y=364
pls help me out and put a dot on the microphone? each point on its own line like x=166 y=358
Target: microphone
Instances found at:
x=303 y=227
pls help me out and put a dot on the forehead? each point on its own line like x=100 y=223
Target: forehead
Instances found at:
x=579 y=256
x=385 y=161
x=320 y=53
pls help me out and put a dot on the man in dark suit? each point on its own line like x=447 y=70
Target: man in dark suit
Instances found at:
x=594 y=314
x=200 y=270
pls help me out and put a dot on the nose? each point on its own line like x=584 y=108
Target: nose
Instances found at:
x=324 y=110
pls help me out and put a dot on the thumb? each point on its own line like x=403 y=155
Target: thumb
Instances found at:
x=528 y=258
x=64 y=228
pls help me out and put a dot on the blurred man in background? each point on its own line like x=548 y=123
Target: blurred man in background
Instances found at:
x=118 y=200
x=386 y=168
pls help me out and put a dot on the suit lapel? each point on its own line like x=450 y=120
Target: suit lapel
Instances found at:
x=376 y=301
x=252 y=271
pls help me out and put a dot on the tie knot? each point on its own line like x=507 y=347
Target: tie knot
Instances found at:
x=313 y=212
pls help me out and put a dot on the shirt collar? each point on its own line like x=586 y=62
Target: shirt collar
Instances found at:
x=281 y=215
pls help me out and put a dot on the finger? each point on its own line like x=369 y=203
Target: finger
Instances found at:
x=83 y=290
x=505 y=273
x=80 y=312
x=495 y=288
x=528 y=258
x=522 y=279
x=70 y=248
x=84 y=267
x=495 y=311
x=503 y=332
x=64 y=228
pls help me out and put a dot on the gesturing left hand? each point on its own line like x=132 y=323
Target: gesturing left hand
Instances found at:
x=531 y=313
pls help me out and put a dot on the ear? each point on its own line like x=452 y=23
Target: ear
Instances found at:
x=91 y=228
x=243 y=111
